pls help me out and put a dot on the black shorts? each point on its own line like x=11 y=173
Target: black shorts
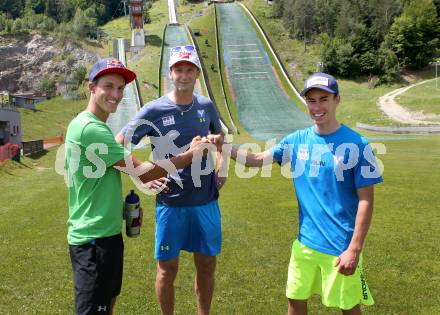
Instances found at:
x=97 y=273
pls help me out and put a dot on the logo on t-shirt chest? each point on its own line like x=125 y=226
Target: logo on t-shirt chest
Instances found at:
x=201 y=115
x=303 y=154
x=168 y=120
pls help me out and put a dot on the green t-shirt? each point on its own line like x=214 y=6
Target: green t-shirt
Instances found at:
x=95 y=189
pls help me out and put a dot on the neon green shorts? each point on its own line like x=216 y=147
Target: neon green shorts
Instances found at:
x=312 y=272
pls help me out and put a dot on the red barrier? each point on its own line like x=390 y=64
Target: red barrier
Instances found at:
x=8 y=151
x=14 y=149
x=4 y=152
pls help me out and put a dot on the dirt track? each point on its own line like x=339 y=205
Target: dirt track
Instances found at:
x=398 y=113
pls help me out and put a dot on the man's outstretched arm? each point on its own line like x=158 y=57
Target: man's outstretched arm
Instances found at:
x=252 y=159
x=241 y=156
x=148 y=171
x=120 y=138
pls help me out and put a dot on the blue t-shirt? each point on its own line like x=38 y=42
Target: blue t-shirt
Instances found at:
x=171 y=128
x=327 y=171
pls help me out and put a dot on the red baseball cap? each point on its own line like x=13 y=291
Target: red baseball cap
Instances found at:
x=111 y=65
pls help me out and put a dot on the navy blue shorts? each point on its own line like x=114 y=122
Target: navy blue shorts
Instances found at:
x=97 y=273
x=195 y=229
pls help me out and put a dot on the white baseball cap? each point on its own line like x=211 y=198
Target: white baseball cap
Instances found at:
x=184 y=53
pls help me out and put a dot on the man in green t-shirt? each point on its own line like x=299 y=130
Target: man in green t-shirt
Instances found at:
x=93 y=162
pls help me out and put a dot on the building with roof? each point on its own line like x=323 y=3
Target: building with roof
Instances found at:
x=10 y=125
x=28 y=101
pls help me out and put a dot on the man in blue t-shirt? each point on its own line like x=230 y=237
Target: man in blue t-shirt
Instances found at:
x=187 y=211
x=334 y=171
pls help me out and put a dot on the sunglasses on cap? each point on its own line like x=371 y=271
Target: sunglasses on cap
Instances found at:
x=188 y=48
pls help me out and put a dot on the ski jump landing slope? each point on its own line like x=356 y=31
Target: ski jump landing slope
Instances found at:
x=178 y=35
x=129 y=104
x=264 y=109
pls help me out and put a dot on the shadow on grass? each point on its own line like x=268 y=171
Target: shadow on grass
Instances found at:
x=424 y=73
x=10 y=167
x=37 y=155
x=7 y=171
x=30 y=110
x=154 y=40
x=24 y=165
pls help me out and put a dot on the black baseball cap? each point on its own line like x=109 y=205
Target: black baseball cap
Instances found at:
x=322 y=81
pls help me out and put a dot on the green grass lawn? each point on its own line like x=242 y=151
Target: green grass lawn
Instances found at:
x=259 y=223
x=186 y=10
x=424 y=97
x=50 y=118
x=117 y=28
x=359 y=104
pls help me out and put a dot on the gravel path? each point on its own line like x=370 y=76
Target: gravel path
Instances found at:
x=398 y=113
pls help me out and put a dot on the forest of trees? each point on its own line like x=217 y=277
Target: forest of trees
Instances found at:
x=376 y=38
x=76 y=17
x=365 y=37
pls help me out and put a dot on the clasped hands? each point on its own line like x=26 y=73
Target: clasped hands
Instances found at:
x=199 y=142
x=200 y=146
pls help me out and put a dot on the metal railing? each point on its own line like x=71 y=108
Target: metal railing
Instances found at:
x=31 y=147
x=8 y=106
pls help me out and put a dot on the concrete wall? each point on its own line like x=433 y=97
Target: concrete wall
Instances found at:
x=138 y=38
x=401 y=130
x=10 y=125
